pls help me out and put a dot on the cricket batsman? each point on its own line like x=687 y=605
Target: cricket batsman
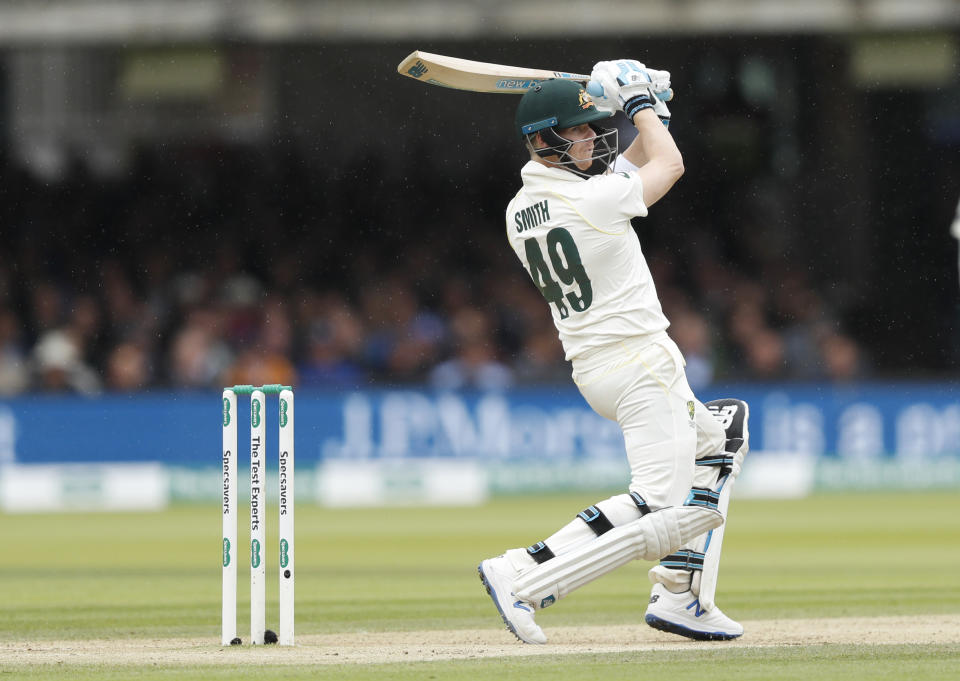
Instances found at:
x=570 y=227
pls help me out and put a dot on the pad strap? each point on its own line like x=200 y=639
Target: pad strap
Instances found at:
x=540 y=552
x=722 y=459
x=641 y=504
x=685 y=559
x=700 y=496
x=595 y=520
x=656 y=534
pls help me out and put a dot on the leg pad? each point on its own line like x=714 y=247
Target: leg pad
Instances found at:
x=649 y=538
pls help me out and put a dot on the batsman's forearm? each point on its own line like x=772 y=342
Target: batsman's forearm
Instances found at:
x=659 y=162
x=653 y=141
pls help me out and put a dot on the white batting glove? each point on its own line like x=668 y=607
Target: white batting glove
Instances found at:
x=629 y=86
x=738 y=456
x=605 y=92
x=660 y=108
x=660 y=84
x=625 y=82
x=662 y=93
x=737 y=465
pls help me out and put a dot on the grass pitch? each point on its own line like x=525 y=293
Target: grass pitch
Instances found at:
x=69 y=580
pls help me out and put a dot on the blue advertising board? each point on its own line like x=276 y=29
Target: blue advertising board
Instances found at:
x=905 y=422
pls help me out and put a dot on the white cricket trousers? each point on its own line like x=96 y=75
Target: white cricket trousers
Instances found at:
x=640 y=383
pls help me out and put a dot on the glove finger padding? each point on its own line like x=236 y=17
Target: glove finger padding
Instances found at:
x=629 y=86
x=604 y=91
x=660 y=84
x=629 y=76
x=660 y=108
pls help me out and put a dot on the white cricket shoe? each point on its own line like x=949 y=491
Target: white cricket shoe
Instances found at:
x=498 y=575
x=681 y=614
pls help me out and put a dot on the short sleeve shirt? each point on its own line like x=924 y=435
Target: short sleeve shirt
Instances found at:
x=574 y=237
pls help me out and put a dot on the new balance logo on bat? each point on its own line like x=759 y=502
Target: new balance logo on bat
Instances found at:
x=417 y=70
x=514 y=84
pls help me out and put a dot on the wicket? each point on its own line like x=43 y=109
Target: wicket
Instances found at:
x=258 y=506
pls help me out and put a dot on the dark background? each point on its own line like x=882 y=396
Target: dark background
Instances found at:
x=322 y=186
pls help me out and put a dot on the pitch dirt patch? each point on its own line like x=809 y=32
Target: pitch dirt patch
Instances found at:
x=425 y=646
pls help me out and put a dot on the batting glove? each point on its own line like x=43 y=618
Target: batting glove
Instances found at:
x=660 y=108
x=629 y=86
x=737 y=465
x=605 y=91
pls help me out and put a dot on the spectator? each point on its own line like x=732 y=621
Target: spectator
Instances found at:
x=216 y=283
x=59 y=367
x=691 y=332
x=402 y=339
x=540 y=359
x=267 y=360
x=199 y=356
x=475 y=364
x=14 y=374
x=842 y=358
x=128 y=368
x=765 y=356
x=334 y=337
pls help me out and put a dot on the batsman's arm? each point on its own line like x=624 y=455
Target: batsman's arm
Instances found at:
x=655 y=154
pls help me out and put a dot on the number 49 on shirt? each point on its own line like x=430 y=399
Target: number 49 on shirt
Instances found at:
x=568 y=269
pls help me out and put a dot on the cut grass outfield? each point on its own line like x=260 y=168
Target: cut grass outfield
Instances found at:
x=157 y=575
x=850 y=663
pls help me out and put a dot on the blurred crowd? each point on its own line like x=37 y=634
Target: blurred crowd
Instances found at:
x=199 y=268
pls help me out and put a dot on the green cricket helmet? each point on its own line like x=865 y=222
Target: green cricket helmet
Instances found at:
x=556 y=104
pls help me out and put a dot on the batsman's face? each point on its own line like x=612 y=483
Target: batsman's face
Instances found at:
x=581 y=151
x=582 y=137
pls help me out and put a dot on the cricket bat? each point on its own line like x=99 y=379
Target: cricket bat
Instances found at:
x=476 y=76
x=711 y=558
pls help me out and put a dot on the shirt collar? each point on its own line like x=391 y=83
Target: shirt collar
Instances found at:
x=534 y=171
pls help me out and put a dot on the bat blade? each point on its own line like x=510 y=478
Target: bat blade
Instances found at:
x=476 y=76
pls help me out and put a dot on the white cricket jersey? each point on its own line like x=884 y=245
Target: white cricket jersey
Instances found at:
x=586 y=257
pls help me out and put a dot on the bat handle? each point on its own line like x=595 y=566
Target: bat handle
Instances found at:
x=595 y=89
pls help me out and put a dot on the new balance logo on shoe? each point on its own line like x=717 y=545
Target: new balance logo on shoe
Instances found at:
x=520 y=606
x=698 y=611
x=682 y=614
